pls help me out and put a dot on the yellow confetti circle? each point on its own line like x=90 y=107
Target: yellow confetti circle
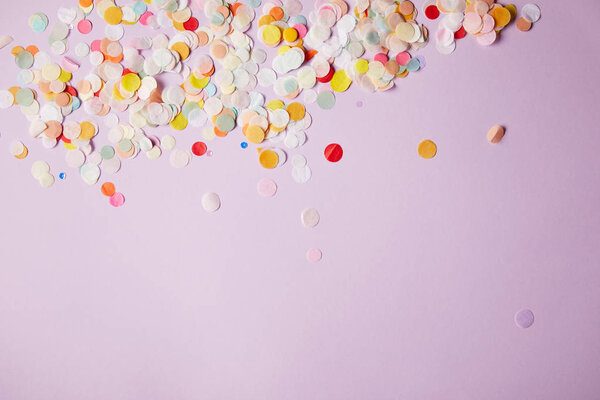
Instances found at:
x=290 y=35
x=271 y=34
x=268 y=159
x=427 y=149
x=131 y=82
x=179 y=122
x=340 y=81
x=296 y=111
x=113 y=15
x=361 y=66
x=255 y=134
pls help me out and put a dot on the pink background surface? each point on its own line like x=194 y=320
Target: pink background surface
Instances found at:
x=425 y=262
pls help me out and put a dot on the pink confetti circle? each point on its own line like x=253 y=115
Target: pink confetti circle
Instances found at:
x=266 y=187
x=117 y=199
x=84 y=26
x=314 y=255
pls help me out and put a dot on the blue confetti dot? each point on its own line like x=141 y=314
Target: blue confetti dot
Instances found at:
x=244 y=145
x=62 y=175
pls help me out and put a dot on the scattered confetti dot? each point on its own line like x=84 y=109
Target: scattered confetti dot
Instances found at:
x=62 y=175
x=107 y=189
x=244 y=145
x=359 y=104
x=427 y=149
x=314 y=255
x=524 y=318
x=266 y=187
x=495 y=134
x=310 y=217
x=334 y=152
x=199 y=148
x=117 y=199
x=211 y=202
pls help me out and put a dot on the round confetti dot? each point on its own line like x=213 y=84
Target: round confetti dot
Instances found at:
x=211 y=202
x=268 y=159
x=310 y=217
x=46 y=180
x=117 y=200
x=84 y=26
x=359 y=104
x=107 y=189
x=314 y=255
x=255 y=134
x=524 y=318
x=333 y=152
x=495 y=134
x=244 y=145
x=326 y=100
x=113 y=15
x=427 y=149
x=340 y=82
x=199 y=148
x=523 y=25
x=62 y=175
x=266 y=187
x=432 y=12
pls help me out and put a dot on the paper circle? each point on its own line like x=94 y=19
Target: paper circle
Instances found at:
x=266 y=187
x=524 y=318
x=310 y=217
x=211 y=202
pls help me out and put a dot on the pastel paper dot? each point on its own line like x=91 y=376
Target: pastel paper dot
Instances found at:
x=266 y=187
x=117 y=200
x=211 y=202
x=310 y=217
x=495 y=134
x=524 y=318
x=314 y=255
x=84 y=26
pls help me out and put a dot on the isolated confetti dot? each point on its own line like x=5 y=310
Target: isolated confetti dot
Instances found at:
x=314 y=255
x=334 y=152
x=524 y=318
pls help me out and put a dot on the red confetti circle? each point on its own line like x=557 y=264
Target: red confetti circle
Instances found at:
x=334 y=152
x=191 y=24
x=461 y=33
x=432 y=12
x=199 y=148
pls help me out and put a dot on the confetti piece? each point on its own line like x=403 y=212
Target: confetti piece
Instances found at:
x=117 y=199
x=5 y=40
x=495 y=134
x=427 y=149
x=108 y=189
x=310 y=217
x=211 y=202
x=314 y=255
x=266 y=187
x=524 y=318
x=333 y=152
x=199 y=148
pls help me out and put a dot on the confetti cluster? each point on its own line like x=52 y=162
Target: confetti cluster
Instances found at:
x=220 y=68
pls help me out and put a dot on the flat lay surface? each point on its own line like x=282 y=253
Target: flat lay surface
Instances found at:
x=425 y=264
